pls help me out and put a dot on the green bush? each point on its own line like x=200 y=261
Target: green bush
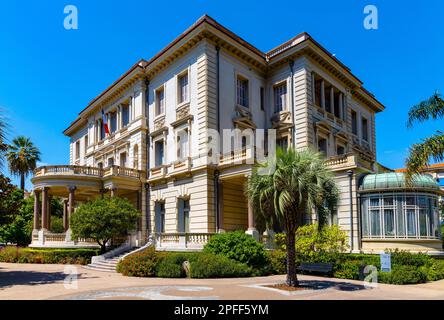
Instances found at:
x=435 y=270
x=47 y=256
x=349 y=269
x=403 y=275
x=238 y=246
x=206 y=265
x=406 y=258
x=171 y=265
x=277 y=261
x=140 y=264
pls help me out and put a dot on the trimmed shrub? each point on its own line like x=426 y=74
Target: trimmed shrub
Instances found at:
x=206 y=265
x=47 y=256
x=171 y=265
x=403 y=275
x=238 y=246
x=140 y=264
x=278 y=261
x=406 y=258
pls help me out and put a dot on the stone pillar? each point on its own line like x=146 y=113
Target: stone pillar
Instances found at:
x=220 y=195
x=49 y=213
x=44 y=208
x=71 y=199
x=65 y=215
x=113 y=192
x=36 y=210
x=251 y=228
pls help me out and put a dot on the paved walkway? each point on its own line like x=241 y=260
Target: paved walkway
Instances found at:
x=34 y=281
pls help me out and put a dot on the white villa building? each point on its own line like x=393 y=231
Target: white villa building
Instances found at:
x=162 y=111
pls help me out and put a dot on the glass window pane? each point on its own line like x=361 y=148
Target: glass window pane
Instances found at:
x=374 y=202
x=423 y=222
x=411 y=223
x=375 y=223
x=364 y=217
x=389 y=222
x=388 y=201
x=400 y=225
x=410 y=200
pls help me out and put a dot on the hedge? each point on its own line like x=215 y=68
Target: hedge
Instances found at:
x=47 y=256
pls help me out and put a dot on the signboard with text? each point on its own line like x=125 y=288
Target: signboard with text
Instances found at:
x=386 y=262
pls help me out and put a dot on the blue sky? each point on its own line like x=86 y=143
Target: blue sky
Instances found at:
x=49 y=74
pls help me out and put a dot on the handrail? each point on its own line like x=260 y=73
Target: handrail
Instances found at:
x=87 y=171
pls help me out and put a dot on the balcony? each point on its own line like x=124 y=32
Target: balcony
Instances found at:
x=348 y=161
x=68 y=170
x=182 y=241
x=158 y=172
x=242 y=156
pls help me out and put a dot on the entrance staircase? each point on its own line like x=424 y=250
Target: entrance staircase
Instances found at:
x=108 y=264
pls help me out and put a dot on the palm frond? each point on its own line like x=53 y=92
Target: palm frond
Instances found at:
x=421 y=153
x=432 y=108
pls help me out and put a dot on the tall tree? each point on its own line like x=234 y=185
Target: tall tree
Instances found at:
x=22 y=157
x=297 y=183
x=431 y=147
x=3 y=130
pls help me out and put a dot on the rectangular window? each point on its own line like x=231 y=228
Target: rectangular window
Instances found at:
x=102 y=130
x=110 y=162
x=86 y=142
x=160 y=101
x=337 y=103
x=159 y=153
x=389 y=222
x=322 y=146
x=160 y=217
x=354 y=120
x=183 y=215
x=182 y=144
x=411 y=223
x=364 y=129
x=375 y=223
x=280 y=97
x=125 y=115
x=113 y=122
x=78 y=150
x=282 y=143
x=262 y=97
x=400 y=229
x=327 y=97
x=340 y=150
x=242 y=92
x=123 y=160
x=183 y=88
x=423 y=222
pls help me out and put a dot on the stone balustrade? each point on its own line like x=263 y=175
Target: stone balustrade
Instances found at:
x=181 y=241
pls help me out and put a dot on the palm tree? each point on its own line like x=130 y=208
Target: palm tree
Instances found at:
x=22 y=157
x=296 y=184
x=431 y=147
x=3 y=131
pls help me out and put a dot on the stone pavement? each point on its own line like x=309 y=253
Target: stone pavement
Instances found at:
x=35 y=281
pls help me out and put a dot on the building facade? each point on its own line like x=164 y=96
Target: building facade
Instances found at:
x=162 y=153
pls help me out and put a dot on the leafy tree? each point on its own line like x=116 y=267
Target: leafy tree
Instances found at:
x=10 y=200
x=103 y=219
x=297 y=183
x=431 y=147
x=18 y=229
x=22 y=157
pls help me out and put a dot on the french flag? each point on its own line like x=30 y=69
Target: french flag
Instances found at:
x=105 y=122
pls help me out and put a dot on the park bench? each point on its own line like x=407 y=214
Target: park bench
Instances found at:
x=322 y=268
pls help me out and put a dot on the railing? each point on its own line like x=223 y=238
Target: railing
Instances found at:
x=86 y=171
x=339 y=160
x=182 y=240
x=54 y=237
x=237 y=157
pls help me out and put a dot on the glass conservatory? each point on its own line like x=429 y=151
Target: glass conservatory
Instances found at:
x=392 y=211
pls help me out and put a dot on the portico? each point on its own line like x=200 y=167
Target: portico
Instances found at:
x=76 y=185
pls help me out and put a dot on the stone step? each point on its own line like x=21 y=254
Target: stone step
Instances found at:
x=90 y=267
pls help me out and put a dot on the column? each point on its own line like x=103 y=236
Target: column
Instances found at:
x=251 y=228
x=49 y=213
x=36 y=210
x=44 y=208
x=323 y=94
x=71 y=199
x=65 y=215
x=220 y=195
x=113 y=192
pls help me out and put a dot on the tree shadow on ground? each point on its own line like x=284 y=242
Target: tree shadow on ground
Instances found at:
x=14 y=278
x=326 y=284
